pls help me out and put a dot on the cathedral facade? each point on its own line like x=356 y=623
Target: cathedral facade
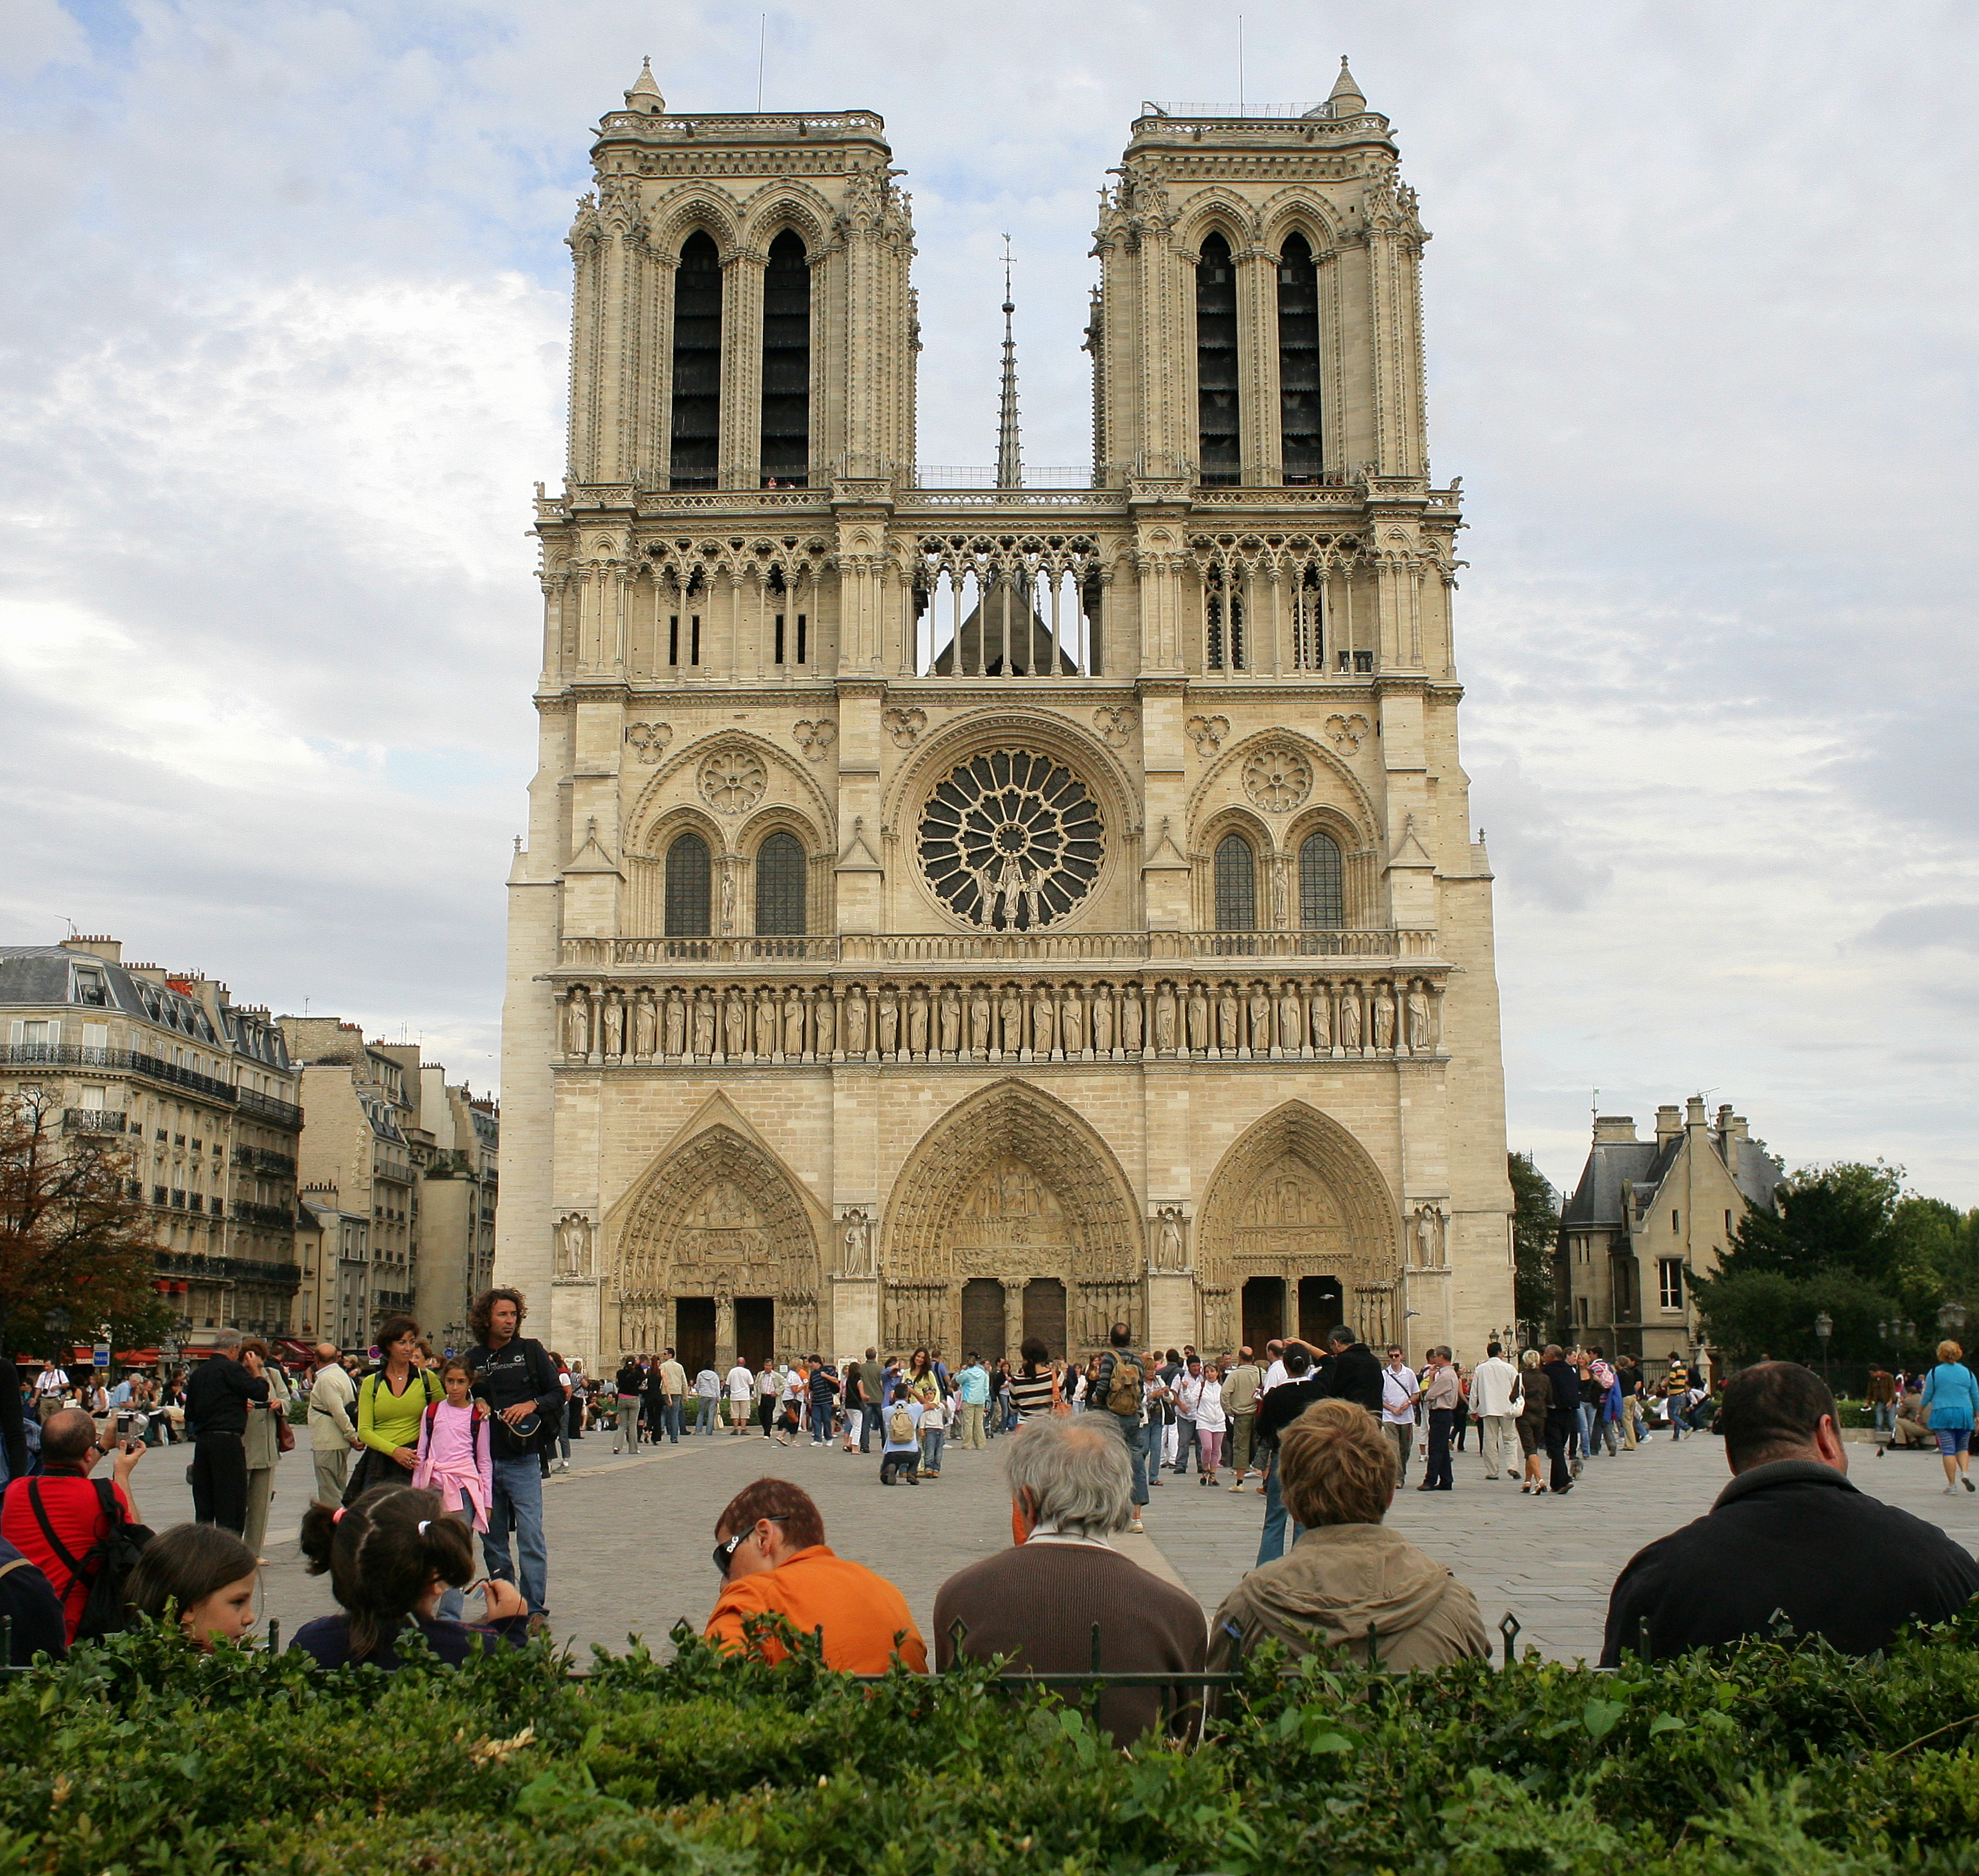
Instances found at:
x=951 y=914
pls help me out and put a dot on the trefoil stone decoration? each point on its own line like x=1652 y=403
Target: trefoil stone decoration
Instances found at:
x=814 y=738
x=1115 y=726
x=1349 y=732
x=1278 y=778
x=649 y=740
x=1207 y=732
x=904 y=726
x=732 y=781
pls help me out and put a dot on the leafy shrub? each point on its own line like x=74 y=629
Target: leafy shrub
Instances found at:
x=137 y=1756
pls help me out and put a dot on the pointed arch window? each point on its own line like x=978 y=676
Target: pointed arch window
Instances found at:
x=786 y=435
x=697 y=384
x=779 y=887
x=1216 y=363
x=1322 y=888
x=1299 y=361
x=1236 y=885
x=689 y=877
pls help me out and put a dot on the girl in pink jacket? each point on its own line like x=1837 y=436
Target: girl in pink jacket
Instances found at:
x=455 y=1460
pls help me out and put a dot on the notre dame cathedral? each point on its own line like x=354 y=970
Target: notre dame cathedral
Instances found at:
x=959 y=906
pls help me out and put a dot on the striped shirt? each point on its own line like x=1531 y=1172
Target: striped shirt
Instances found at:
x=1032 y=1395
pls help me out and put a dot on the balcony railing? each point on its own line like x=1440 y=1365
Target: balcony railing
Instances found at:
x=269 y=1218
x=67 y=1054
x=260 y=1159
x=854 y=950
x=276 y=1113
x=91 y=1120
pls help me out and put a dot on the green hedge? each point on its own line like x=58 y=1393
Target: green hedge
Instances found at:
x=136 y=1757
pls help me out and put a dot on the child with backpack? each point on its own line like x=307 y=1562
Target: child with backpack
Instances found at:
x=455 y=1461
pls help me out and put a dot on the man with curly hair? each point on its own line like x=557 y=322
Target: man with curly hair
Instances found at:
x=514 y=1375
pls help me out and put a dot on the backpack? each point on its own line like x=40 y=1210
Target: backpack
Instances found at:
x=1124 y=1385
x=110 y=1560
x=900 y=1428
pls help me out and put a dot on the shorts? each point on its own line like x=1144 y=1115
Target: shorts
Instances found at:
x=1532 y=1435
x=1952 y=1439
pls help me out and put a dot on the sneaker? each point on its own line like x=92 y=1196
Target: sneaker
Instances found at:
x=1137 y=1527
x=1965 y=1479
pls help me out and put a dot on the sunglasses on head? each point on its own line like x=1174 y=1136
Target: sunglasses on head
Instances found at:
x=725 y=1549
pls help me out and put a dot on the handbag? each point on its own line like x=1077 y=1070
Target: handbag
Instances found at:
x=285 y=1434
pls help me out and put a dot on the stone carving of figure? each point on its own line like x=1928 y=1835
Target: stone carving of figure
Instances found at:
x=703 y=1025
x=1102 y=1022
x=573 y=1245
x=1291 y=1019
x=1043 y=1021
x=727 y=898
x=645 y=1025
x=1072 y=1022
x=735 y=1025
x=1227 y=1034
x=576 y=1025
x=1168 y=1240
x=793 y=1022
x=889 y=1021
x=826 y=1038
x=676 y=1027
x=1130 y=1021
x=1198 y=1017
x=980 y=1013
x=855 y=1022
x=1322 y=1018
x=615 y=1026
x=1429 y=1238
x=1165 y=1020
x=1422 y=1026
x=1349 y=1018
x=1260 y=1004
x=918 y=1023
x=1011 y=1011
x=1384 y=1020
x=951 y=1021
x=858 y=1245
x=768 y=1024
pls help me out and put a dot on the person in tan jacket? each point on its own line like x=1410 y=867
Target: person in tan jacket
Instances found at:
x=1347 y=1576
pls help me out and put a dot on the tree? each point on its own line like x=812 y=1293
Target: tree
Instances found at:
x=71 y=1234
x=1842 y=1216
x=1535 y=1240
x=1765 y=1313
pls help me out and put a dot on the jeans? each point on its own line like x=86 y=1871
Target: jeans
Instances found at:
x=626 y=1433
x=1604 y=1435
x=869 y=1417
x=1498 y=1440
x=707 y=1414
x=972 y=1425
x=931 y=1445
x=220 y=1481
x=1184 y=1443
x=1277 y=1520
x=821 y=1418
x=672 y=1415
x=452 y=1603
x=1442 y=1424
x=1886 y=1416
x=1135 y=1435
x=519 y=1507
x=1586 y=1412
x=1679 y=1425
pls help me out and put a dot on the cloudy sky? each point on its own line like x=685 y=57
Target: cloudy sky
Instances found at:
x=282 y=348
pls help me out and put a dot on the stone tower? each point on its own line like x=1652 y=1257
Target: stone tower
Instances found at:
x=956 y=914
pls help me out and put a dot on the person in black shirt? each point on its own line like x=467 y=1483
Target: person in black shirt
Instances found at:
x=1789 y=1536
x=1276 y=1411
x=516 y=1377
x=29 y=1599
x=1354 y=1372
x=1563 y=1414
x=217 y=1400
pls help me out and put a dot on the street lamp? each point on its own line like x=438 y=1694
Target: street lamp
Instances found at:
x=56 y=1322
x=1951 y=1317
x=1824 y=1327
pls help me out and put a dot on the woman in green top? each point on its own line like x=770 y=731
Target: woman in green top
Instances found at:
x=391 y=1400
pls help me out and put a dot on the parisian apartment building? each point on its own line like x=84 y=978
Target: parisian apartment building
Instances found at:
x=199 y=1094
x=399 y=1179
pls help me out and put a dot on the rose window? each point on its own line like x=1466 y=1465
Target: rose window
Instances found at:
x=1011 y=840
x=732 y=781
x=1278 y=779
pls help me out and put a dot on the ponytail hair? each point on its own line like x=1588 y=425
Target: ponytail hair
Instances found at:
x=382 y=1553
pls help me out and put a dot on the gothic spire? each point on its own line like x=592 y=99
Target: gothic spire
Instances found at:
x=1347 y=99
x=1010 y=450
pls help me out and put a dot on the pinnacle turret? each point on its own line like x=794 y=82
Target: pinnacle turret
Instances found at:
x=1345 y=99
x=645 y=94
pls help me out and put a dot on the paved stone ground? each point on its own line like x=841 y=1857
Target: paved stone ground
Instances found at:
x=630 y=1536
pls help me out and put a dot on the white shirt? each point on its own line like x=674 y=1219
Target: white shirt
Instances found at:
x=1399 y=1388
x=770 y=1383
x=1202 y=1401
x=1493 y=1384
x=1275 y=1377
x=741 y=1383
x=53 y=1380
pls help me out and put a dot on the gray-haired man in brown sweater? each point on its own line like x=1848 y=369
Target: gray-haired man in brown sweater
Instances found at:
x=1038 y=1601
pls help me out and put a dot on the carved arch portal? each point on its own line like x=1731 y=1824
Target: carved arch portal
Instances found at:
x=1011 y=1185
x=1298 y=1202
x=720 y=1219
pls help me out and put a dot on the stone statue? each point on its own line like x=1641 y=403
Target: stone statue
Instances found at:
x=1291 y=1020
x=858 y=1246
x=1043 y=1021
x=1165 y=1020
x=768 y=1040
x=573 y=1245
x=1349 y=1018
x=576 y=1025
x=615 y=1026
x=1384 y=1020
x=826 y=1038
x=980 y=1014
x=728 y=898
x=793 y=1022
x=1102 y=1023
x=1322 y=1019
x=1011 y=1011
x=855 y=1022
x=1072 y=1022
x=1130 y=1021
x=1258 y=1006
x=1199 y=1018
x=1168 y=1240
x=951 y=1037
x=1422 y=1023
x=918 y=1023
x=1429 y=1238
x=1228 y=1036
x=645 y=1025
x=890 y=1020
x=735 y=1026
x=703 y=1025
x=676 y=1027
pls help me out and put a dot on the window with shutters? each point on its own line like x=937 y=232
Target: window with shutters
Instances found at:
x=1236 y=885
x=688 y=878
x=1298 y=361
x=786 y=437
x=1216 y=363
x=1322 y=893
x=697 y=361
x=780 y=886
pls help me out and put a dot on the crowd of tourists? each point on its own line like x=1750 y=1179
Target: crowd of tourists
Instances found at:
x=416 y=1459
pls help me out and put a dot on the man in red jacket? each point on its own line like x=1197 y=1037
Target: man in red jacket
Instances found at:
x=70 y=1503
